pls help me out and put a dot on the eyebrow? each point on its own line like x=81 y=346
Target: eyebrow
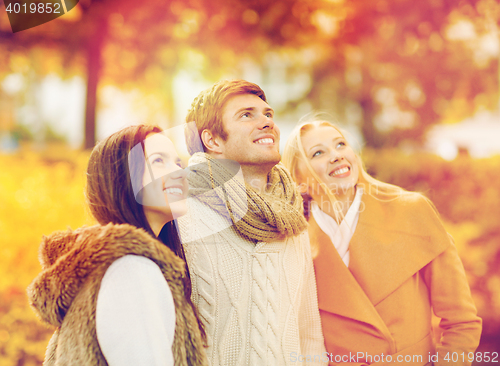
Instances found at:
x=157 y=153
x=252 y=109
x=320 y=144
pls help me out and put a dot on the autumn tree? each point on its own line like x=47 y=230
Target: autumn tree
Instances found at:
x=389 y=60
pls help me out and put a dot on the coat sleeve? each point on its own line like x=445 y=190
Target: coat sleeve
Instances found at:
x=452 y=302
x=311 y=335
x=135 y=314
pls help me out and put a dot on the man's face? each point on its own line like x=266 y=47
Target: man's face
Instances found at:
x=252 y=136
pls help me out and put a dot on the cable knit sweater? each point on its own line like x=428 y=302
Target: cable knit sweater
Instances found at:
x=258 y=301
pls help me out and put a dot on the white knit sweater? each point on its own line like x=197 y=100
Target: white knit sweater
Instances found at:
x=258 y=302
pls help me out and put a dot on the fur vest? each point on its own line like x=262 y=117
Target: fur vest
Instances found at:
x=65 y=293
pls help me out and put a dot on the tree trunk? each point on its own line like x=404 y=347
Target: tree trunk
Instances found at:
x=94 y=50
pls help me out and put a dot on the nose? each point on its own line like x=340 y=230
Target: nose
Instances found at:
x=335 y=157
x=266 y=122
x=178 y=173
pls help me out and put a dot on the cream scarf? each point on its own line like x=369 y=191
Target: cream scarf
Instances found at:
x=267 y=216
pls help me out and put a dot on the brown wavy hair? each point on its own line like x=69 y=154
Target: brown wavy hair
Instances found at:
x=110 y=195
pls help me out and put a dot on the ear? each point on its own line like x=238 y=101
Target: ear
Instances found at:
x=211 y=142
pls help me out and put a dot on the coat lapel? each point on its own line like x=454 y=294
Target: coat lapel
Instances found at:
x=393 y=241
x=338 y=291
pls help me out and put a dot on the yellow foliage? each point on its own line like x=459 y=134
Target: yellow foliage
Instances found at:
x=39 y=193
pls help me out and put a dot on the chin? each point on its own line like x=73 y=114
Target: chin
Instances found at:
x=274 y=159
x=178 y=209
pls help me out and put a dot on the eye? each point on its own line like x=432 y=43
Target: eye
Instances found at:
x=341 y=144
x=245 y=115
x=158 y=160
x=269 y=115
x=179 y=164
x=319 y=152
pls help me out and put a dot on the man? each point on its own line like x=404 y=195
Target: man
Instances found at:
x=246 y=246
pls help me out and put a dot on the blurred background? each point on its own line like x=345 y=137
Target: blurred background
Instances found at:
x=415 y=83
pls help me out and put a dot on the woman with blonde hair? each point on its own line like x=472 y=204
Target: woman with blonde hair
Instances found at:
x=382 y=258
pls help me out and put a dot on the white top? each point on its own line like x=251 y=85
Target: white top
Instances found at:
x=340 y=235
x=135 y=314
x=258 y=302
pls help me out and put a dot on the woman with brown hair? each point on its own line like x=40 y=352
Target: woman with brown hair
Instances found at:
x=383 y=261
x=119 y=292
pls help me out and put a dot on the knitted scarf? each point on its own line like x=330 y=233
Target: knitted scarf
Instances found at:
x=267 y=216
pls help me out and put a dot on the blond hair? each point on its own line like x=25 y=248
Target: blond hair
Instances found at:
x=294 y=151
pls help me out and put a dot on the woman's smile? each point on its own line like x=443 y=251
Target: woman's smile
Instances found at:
x=342 y=171
x=176 y=191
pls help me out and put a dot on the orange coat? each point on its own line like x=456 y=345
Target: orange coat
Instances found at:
x=402 y=265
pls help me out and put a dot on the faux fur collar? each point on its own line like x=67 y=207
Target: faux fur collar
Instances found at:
x=69 y=257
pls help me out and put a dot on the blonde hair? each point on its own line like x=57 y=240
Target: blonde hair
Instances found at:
x=294 y=151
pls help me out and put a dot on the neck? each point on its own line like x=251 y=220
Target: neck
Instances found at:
x=156 y=222
x=156 y=228
x=256 y=176
x=344 y=199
